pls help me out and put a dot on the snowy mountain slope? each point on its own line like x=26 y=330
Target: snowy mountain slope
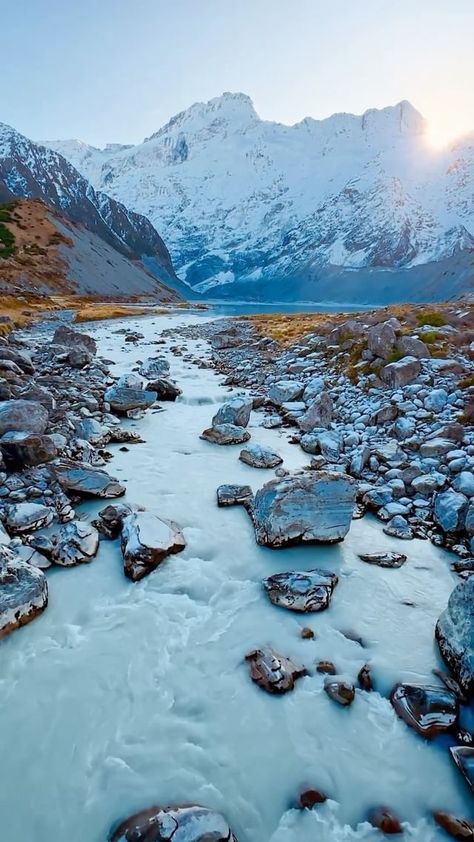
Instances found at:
x=249 y=204
x=30 y=170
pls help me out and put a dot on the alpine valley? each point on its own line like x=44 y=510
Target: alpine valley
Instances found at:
x=349 y=209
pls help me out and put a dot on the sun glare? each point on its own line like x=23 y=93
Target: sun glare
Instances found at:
x=439 y=135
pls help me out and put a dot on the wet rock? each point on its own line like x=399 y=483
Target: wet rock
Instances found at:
x=233 y=495
x=364 y=678
x=110 y=520
x=455 y=634
x=284 y=391
x=26 y=517
x=450 y=510
x=146 y=540
x=165 y=389
x=23 y=592
x=154 y=367
x=428 y=709
x=236 y=412
x=23 y=416
x=64 y=335
x=90 y=430
x=307 y=633
x=123 y=399
x=384 y=820
x=381 y=340
x=22 y=450
x=384 y=559
x=258 y=456
x=307 y=591
x=398 y=527
x=32 y=556
x=182 y=823
x=85 y=480
x=314 y=507
x=402 y=372
x=451 y=684
x=318 y=414
x=310 y=797
x=340 y=691
x=226 y=434
x=75 y=543
x=326 y=668
x=273 y=672
x=456 y=827
x=463 y=757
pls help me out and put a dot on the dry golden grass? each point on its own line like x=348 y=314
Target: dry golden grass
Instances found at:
x=286 y=328
x=93 y=311
x=22 y=310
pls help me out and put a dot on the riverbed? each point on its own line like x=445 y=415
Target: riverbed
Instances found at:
x=125 y=695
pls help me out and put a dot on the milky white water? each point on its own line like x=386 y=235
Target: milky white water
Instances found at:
x=123 y=695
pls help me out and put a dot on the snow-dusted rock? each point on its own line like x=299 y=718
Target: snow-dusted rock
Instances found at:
x=146 y=540
x=455 y=634
x=306 y=591
x=273 y=672
x=75 y=543
x=25 y=517
x=236 y=412
x=165 y=389
x=388 y=559
x=23 y=592
x=258 y=456
x=186 y=823
x=308 y=508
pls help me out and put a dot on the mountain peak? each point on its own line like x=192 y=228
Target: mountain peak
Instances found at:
x=228 y=108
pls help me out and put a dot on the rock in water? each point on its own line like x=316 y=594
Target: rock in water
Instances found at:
x=186 y=823
x=306 y=591
x=23 y=417
x=459 y=828
x=110 y=520
x=76 y=542
x=165 y=389
x=340 y=691
x=258 y=456
x=122 y=399
x=233 y=495
x=154 y=367
x=429 y=710
x=85 y=480
x=273 y=672
x=226 y=434
x=310 y=797
x=308 y=508
x=463 y=757
x=146 y=540
x=455 y=634
x=236 y=412
x=23 y=592
x=384 y=559
x=385 y=820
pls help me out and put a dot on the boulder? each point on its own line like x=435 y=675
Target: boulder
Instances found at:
x=450 y=510
x=236 y=412
x=26 y=517
x=401 y=373
x=305 y=591
x=165 y=389
x=340 y=691
x=233 y=495
x=154 y=367
x=398 y=527
x=381 y=340
x=23 y=416
x=146 y=540
x=225 y=434
x=258 y=456
x=75 y=543
x=436 y=400
x=21 y=358
x=85 y=480
x=308 y=508
x=455 y=634
x=92 y=431
x=23 y=592
x=273 y=672
x=456 y=827
x=318 y=414
x=64 y=335
x=385 y=820
x=110 y=520
x=463 y=757
x=464 y=483
x=23 y=450
x=384 y=559
x=429 y=710
x=284 y=391
x=410 y=346
x=122 y=399
x=79 y=357
x=182 y=823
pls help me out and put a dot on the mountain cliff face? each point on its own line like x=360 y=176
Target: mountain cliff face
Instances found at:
x=29 y=170
x=258 y=209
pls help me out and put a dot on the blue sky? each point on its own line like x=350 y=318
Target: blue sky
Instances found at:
x=116 y=70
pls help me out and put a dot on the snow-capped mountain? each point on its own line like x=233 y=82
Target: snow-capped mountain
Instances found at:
x=253 y=207
x=30 y=170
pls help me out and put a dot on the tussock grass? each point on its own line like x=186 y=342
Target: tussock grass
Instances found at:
x=93 y=311
x=433 y=318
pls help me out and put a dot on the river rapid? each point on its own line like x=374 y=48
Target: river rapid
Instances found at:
x=125 y=695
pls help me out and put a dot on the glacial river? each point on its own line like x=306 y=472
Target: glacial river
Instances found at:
x=125 y=695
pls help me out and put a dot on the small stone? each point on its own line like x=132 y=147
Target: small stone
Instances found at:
x=389 y=559
x=340 y=691
x=364 y=678
x=326 y=668
x=384 y=820
x=273 y=672
x=310 y=797
x=307 y=633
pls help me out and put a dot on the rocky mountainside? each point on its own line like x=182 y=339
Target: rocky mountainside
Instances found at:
x=322 y=209
x=30 y=170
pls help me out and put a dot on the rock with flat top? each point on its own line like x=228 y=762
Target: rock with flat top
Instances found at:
x=284 y=391
x=123 y=399
x=233 y=495
x=146 y=540
x=180 y=823
x=402 y=372
x=226 y=434
x=306 y=591
x=65 y=335
x=258 y=456
x=389 y=559
x=26 y=517
x=75 y=543
x=23 y=591
x=85 y=480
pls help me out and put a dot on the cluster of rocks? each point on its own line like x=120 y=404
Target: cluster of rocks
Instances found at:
x=59 y=409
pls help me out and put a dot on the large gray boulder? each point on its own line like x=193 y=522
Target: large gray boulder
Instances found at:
x=455 y=634
x=237 y=412
x=308 y=508
x=85 y=480
x=23 y=592
x=26 y=517
x=413 y=347
x=381 y=340
x=450 y=510
x=284 y=391
x=402 y=372
x=23 y=450
x=306 y=591
x=122 y=399
x=146 y=540
x=182 y=823
x=69 y=338
x=318 y=414
x=225 y=434
x=154 y=367
x=23 y=416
